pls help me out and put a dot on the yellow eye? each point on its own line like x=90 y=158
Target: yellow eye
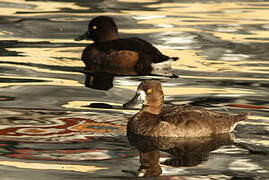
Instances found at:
x=94 y=27
x=149 y=91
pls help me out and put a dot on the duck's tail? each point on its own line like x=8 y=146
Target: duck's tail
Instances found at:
x=237 y=118
x=173 y=58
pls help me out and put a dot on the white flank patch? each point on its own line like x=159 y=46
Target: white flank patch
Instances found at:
x=162 y=65
x=163 y=68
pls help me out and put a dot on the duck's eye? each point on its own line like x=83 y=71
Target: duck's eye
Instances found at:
x=94 y=27
x=149 y=91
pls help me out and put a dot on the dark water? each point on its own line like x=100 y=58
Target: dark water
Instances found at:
x=52 y=126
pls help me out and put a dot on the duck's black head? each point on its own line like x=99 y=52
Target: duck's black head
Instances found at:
x=101 y=28
x=149 y=93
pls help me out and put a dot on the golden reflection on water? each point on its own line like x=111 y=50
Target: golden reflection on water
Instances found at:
x=170 y=91
x=261 y=142
x=48 y=56
x=188 y=60
x=156 y=30
x=254 y=36
x=222 y=12
x=37 y=7
x=230 y=78
x=232 y=14
x=51 y=166
x=138 y=1
x=55 y=40
x=48 y=81
x=85 y=104
x=38 y=69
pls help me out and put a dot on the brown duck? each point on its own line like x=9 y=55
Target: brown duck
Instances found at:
x=156 y=119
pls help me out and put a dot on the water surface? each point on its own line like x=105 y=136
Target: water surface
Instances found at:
x=49 y=128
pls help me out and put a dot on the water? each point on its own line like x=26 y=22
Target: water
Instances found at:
x=52 y=126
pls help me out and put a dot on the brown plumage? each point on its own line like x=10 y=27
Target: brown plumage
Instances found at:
x=156 y=119
x=111 y=50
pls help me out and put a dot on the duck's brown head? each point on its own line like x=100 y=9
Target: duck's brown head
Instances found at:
x=150 y=94
x=101 y=28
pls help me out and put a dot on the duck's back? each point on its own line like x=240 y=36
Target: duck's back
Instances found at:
x=123 y=52
x=196 y=121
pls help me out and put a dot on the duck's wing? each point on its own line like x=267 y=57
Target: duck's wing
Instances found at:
x=148 y=48
x=133 y=44
x=181 y=114
x=187 y=115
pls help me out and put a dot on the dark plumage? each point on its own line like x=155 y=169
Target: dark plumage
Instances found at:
x=110 y=50
x=156 y=119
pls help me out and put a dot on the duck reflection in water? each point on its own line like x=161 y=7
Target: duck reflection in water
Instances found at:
x=184 y=151
x=101 y=77
x=187 y=132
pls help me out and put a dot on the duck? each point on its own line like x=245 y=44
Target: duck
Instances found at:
x=109 y=49
x=160 y=120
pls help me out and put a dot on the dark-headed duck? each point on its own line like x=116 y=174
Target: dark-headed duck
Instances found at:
x=156 y=119
x=110 y=50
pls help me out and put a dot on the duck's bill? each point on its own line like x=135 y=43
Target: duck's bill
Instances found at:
x=136 y=100
x=83 y=37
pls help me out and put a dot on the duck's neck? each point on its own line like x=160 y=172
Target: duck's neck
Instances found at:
x=107 y=36
x=153 y=109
